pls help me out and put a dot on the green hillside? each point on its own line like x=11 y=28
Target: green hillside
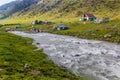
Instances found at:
x=72 y=9
x=58 y=10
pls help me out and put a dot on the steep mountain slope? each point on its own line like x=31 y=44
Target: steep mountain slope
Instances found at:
x=65 y=8
x=12 y=7
x=73 y=8
x=5 y=6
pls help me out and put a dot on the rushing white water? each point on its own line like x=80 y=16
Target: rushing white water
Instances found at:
x=96 y=60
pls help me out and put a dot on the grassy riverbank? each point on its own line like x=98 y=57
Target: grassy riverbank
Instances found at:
x=108 y=31
x=20 y=61
x=16 y=53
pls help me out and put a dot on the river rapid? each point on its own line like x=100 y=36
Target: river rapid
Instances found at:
x=95 y=60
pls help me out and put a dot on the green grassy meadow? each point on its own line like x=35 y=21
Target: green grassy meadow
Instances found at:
x=20 y=61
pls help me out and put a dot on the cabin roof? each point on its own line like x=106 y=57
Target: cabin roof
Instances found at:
x=88 y=15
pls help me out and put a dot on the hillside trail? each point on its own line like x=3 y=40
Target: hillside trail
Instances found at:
x=95 y=60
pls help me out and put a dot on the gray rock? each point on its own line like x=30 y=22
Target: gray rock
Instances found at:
x=107 y=36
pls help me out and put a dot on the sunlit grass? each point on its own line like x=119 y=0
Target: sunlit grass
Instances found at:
x=16 y=52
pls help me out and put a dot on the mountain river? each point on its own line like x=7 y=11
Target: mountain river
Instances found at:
x=95 y=60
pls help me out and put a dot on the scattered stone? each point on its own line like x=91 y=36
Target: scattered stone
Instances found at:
x=107 y=36
x=41 y=49
x=77 y=55
x=8 y=29
x=29 y=42
x=101 y=20
x=36 y=30
x=90 y=54
x=47 y=22
x=117 y=57
x=114 y=29
x=26 y=66
x=77 y=42
x=55 y=27
x=102 y=53
x=1 y=70
x=35 y=72
x=38 y=43
x=93 y=34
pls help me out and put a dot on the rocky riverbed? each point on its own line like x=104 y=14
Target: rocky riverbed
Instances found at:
x=96 y=60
